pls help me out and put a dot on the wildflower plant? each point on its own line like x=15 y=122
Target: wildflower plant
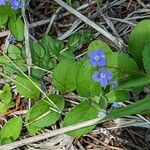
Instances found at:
x=100 y=80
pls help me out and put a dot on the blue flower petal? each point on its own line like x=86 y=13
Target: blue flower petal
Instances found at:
x=2 y=2
x=109 y=74
x=104 y=82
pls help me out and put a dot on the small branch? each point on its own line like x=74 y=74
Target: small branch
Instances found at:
x=118 y=42
x=49 y=134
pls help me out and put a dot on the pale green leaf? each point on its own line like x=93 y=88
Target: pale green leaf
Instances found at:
x=40 y=115
x=16 y=28
x=118 y=96
x=64 y=75
x=80 y=113
x=11 y=129
x=86 y=86
x=26 y=88
x=98 y=44
x=122 y=65
x=139 y=37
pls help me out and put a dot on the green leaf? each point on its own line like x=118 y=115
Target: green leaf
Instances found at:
x=38 y=52
x=137 y=82
x=80 y=113
x=118 y=96
x=9 y=68
x=139 y=37
x=40 y=115
x=146 y=58
x=86 y=86
x=53 y=46
x=6 y=94
x=14 y=52
x=64 y=75
x=74 y=41
x=132 y=109
x=5 y=106
x=26 y=88
x=3 y=19
x=16 y=28
x=98 y=44
x=11 y=129
x=3 y=60
x=8 y=11
x=122 y=66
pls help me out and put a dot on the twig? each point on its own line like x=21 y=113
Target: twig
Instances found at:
x=118 y=42
x=52 y=20
x=49 y=134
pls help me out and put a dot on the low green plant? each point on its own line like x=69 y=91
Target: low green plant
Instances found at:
x=99 y=79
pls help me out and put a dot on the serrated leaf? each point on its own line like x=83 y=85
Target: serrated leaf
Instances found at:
x=122 y=66
x=98 y=44
x=118 y=96
x=139 y=37
x=14 y=52
x=146 y=58
x=26 y=88
x=136 y=82
x=132 y=109
x=40 y=115
x=16 y=28
x=86 y=86
x=64 y=75
x=80 y=113
x=11 y=130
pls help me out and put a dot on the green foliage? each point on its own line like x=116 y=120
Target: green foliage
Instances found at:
x=11 y=130
x=52 y=45
x=122 y=66
x=85 y=85
x=118 y=96
x=3 y=19
x=135 y=82
x=64 y=75
x=16 y=55
x=78 y=114
x=6 y=99
x=26 y=88
x=16 y=27
x=146 y=58
x=139 y=37
x=132 y=109
x=98 y=44
x=41 y=115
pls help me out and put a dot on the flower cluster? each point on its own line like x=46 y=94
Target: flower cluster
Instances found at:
x=102 y=75
x=15 y=4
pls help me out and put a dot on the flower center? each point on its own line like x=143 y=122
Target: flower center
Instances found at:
x=96 y=58
x=103 y=75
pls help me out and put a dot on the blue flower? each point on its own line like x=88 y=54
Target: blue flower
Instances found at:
x=114 y=84
x=16 y=4
x=103 y=76
x=97 y=58
x=2 y=2
x=115 y=105
x=11 y=39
